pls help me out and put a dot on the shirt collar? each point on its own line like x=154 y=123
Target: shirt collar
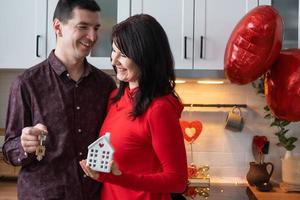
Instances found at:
x=60 y=68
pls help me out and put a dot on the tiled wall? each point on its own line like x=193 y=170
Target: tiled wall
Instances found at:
x=227 y=153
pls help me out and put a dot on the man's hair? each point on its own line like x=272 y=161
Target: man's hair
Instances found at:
x=64 y=8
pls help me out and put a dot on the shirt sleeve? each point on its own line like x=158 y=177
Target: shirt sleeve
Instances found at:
x=168 y=144
x=18 y=116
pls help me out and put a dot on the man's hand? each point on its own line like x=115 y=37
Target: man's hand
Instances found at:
x=30 y=137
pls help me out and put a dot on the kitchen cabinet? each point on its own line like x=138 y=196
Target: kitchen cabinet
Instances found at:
x=289 y=11
x=23 y=33
x=112 y=12
x=198 y=31
x=27 y=36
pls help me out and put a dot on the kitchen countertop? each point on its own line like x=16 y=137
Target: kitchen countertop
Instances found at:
x=222 y=191
x=276 y=194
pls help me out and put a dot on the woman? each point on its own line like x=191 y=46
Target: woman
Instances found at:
x=143 y=117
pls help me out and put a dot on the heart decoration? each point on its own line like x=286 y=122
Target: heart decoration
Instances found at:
x=191 y=130
x=101 y=145
x=192 y=171
x=259 y=142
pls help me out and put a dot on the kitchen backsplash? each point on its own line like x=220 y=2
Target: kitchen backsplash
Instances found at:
x=227 y=153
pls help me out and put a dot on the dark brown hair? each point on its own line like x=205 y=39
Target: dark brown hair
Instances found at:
x=142 y=39
x=64 y=8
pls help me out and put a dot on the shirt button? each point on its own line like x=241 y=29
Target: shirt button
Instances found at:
x=84 y=176
x=80 y=153
x=79 y=130
x=77 y=107
x=68 y=75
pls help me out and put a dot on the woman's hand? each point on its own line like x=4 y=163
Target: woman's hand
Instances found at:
x=94 y=174
x=88 y=171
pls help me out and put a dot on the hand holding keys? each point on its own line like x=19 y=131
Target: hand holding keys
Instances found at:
x=33 y=140
x=40 y=150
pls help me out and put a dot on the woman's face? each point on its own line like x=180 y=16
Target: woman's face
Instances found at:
x=127 y=70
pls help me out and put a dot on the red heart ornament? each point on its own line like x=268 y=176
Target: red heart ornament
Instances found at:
x=191 y=130
x=101 y=145
x=259 y=142
x=192 y=171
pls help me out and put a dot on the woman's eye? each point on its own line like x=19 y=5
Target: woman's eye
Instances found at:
x=123 y=55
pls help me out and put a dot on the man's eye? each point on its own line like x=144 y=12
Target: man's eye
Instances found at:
x=82 y=27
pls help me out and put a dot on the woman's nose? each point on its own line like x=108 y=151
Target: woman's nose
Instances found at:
x=114 y=59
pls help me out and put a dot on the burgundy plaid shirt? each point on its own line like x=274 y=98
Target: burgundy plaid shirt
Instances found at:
x=73 y=113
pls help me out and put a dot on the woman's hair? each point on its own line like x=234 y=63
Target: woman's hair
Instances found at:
x=142 y=39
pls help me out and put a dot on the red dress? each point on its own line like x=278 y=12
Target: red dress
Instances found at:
x=149 y=150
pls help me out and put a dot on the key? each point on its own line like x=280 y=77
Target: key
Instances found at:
x=40 y=150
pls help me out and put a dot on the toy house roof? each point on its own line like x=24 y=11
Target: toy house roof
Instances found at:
x=105 y=139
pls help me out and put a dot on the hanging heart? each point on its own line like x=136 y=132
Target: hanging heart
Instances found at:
x=191 y=130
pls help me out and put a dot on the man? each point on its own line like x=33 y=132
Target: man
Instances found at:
x=65 y=98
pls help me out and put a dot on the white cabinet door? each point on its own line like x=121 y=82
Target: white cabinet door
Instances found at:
x=197 y=30
x=176 y=17
x=214 y=22
x=112 y=12
x=23 y=33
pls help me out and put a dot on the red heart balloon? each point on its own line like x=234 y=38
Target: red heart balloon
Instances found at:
x=253 y=45
x=282 y=86
x=191 y=130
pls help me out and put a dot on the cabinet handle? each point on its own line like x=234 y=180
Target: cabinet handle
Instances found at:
x=37 y=46
x=201 y=46
x=185 y=40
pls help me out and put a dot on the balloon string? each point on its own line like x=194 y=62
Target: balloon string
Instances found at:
x=192 y=158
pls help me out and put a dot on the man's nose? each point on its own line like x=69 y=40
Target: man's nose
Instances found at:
x=92 y=35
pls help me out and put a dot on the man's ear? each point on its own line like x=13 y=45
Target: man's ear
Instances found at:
x=57 y=27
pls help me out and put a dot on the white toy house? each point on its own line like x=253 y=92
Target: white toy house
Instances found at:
x=100 y=154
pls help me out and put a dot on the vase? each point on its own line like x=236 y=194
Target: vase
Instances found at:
x=259 y=174
x=291 y=168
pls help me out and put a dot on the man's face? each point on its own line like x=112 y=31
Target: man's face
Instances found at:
x=79 y=34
